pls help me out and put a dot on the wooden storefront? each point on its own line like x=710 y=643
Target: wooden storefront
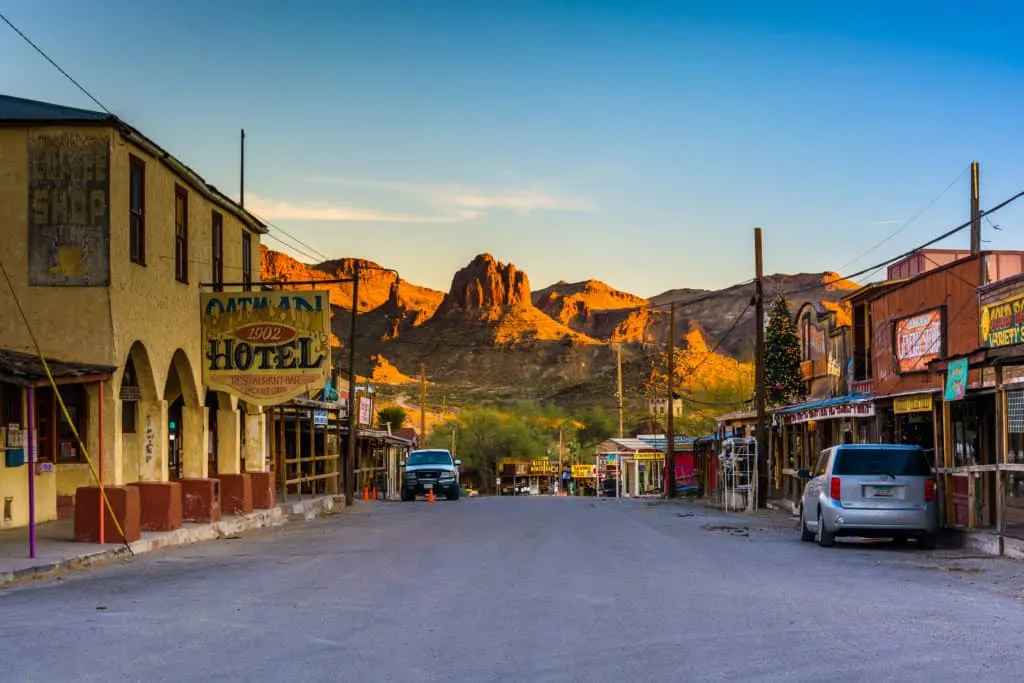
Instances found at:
x=305 y=447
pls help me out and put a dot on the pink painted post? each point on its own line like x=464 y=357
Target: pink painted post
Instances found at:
x=99 y=465
x=30 y=451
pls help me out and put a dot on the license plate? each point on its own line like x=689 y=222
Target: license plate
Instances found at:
x=428 y=486
x=881 y=491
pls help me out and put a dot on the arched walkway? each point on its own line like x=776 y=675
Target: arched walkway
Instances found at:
x=187 y=433
x=142 y=411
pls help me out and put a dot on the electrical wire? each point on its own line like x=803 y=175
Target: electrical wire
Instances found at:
x=54 y=63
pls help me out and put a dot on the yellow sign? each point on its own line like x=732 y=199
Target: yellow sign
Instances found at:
x=1002 y=323
x=912 y=404
x=266 y=347
x=583 y=472
x=648 y=456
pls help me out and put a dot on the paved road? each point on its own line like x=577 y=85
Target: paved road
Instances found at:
x=521 y=589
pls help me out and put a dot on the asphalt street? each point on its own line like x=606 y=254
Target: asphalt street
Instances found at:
x=522 y=589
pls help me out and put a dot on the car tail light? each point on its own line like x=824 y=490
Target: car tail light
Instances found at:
x=835 y=488
x=929 y=490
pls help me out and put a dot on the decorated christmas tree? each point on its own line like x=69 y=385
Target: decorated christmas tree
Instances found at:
x=782 y=377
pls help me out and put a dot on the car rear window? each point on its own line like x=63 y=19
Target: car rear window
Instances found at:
x=867 y=461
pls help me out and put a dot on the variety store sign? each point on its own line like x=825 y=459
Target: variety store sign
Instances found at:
x=1002 y=323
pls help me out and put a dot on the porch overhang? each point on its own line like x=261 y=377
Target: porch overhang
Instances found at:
x=27 y=370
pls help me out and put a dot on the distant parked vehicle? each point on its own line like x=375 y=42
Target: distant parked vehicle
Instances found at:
x=870 y=490
x=430 y=470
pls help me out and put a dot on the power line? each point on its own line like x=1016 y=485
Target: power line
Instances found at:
x=54 y=64
x=903 y=227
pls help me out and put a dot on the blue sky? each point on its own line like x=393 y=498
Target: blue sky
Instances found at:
x=634 y=142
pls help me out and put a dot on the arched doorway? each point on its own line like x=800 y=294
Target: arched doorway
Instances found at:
x=140 y=452
x=186 y=421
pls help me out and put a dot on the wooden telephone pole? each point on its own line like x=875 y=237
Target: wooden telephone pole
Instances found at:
x=759 y=388
x=353 y=420
x=975 y=208
x=670 y=441
x=423 y=405
x=618 y=363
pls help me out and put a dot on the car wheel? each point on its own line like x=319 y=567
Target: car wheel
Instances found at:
x=806 y=535
x=453 y=494
x=926 y=542
x=407 y=496
x=826 y=539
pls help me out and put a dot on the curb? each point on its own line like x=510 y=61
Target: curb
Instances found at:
x=283 y=514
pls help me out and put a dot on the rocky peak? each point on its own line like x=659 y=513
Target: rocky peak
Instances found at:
x=486 y=284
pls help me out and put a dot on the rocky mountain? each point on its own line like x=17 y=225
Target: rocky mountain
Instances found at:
x=597 y=310
x=491 y=330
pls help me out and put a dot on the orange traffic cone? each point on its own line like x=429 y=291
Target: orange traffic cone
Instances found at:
x=430 y=497
x=373 y=493
x=365 y=496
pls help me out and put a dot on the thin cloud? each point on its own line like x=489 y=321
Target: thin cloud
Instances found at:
x=461 y=198
x=325 y=211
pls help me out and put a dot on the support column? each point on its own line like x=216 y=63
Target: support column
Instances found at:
x=195 y=437
x=256 y=461
x=151 y=458
x=229 y=446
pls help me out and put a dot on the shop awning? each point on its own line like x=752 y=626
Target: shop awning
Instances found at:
x=840 y=407
x=26 y=370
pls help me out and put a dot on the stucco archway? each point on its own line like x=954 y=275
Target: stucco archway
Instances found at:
x=141 y=414
x=187 y=428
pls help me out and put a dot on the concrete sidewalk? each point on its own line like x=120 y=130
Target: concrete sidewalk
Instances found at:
x=56 y=551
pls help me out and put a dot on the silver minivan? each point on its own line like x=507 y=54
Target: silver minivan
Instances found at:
x=870 y=490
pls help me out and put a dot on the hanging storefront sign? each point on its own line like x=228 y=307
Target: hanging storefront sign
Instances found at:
x=365 y=410
x=956 y=380
x=1002 y=323
x=918 y=340
x=266 y=347
x=584 y=471
x=921 y=403
x=841 y=410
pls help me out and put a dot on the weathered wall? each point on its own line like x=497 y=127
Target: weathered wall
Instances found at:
x=71 y=323
x=954 y=288
x=144 y=312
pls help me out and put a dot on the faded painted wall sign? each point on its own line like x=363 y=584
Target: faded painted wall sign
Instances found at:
x=918 y=340
x=266 y=347
x=69 y=209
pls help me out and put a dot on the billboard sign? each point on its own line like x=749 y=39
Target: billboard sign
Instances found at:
x=266 y=347
x=918 y=340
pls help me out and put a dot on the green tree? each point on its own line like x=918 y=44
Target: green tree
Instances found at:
x=392 y=415
x=782 y=377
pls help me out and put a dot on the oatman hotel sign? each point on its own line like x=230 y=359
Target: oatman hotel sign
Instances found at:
x=266 y=347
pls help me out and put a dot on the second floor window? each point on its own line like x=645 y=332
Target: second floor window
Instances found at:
x=180 y=234
x=247 y=260
x=217 y=233
x=137 y=210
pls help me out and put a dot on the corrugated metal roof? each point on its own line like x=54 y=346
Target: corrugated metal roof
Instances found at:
x=24 y=369
x=631 y=445
x=20 y=109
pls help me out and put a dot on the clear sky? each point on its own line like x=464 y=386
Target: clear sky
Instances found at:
x=634 y=142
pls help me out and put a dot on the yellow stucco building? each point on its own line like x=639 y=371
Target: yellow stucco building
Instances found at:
x=106 y=239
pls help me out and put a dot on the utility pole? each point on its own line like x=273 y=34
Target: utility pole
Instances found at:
x=353 y=428
x=759 y=388
x=975 y=208
x=423 y=405
x=241 y=182
x=670 y=441
x=453 y=441
x=618 y=363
